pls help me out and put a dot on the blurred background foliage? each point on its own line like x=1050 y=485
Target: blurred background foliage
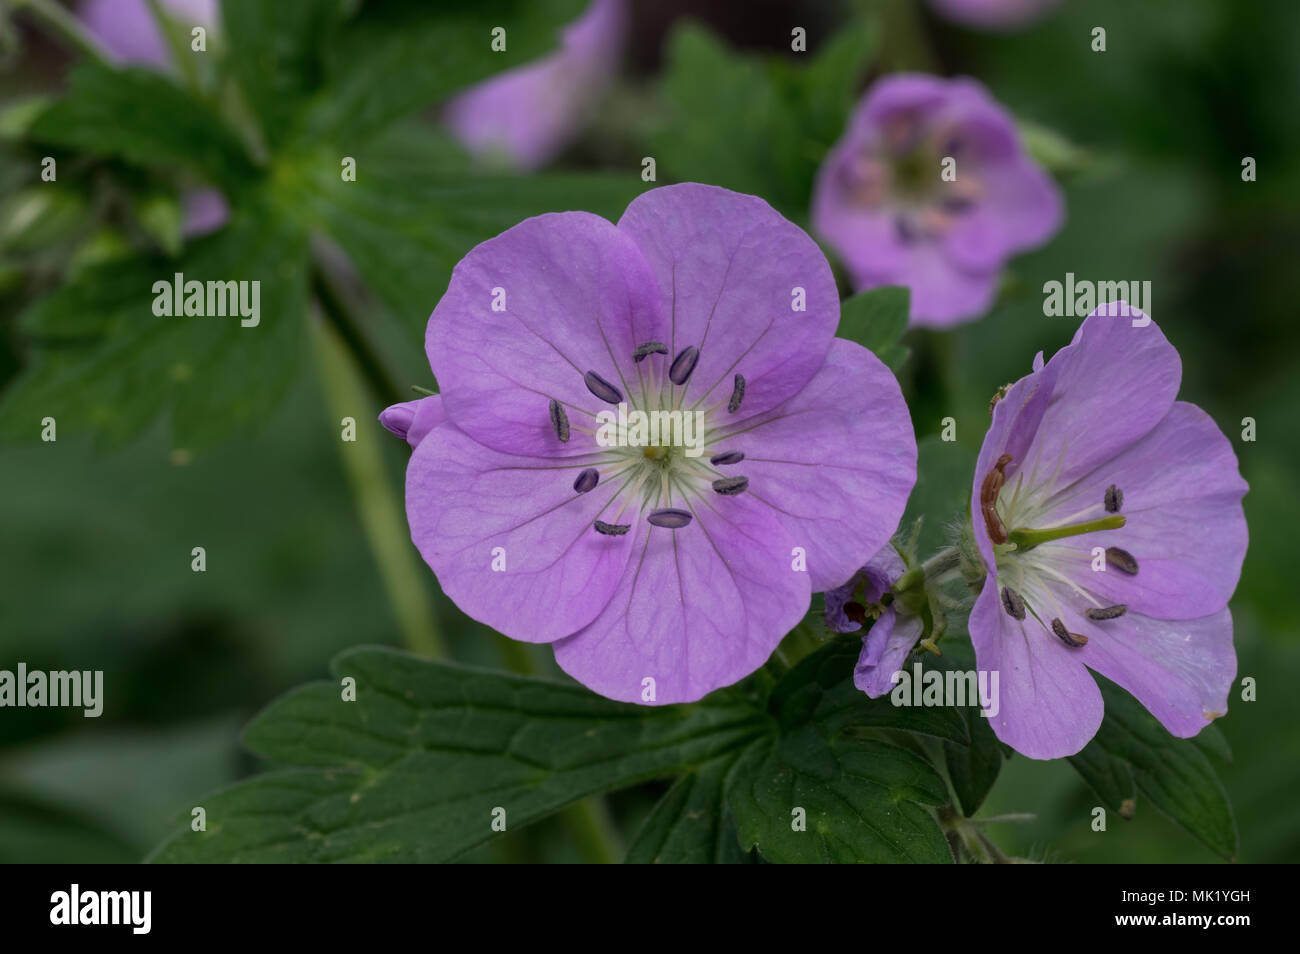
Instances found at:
x=206 y=435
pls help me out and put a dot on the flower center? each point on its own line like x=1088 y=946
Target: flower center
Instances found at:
x=1030 y=582
x=651 y=445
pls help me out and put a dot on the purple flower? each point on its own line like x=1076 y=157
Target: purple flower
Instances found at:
x=898 y=213
x=128 y=31
x=893 y=634
x=1109 y=519
x=413 y=420
x=993 y=14
x=660 y=572
x=527 y=115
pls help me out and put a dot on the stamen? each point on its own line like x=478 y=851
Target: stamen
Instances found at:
x=1122 y=560
x=587 y=480
x=989 y=491
x=1012 y=603
x=1026 y=538
x=612 y=529
x=737 y=394
x=559 y=420
x=727 y=457
x=730 y=486
x=1107 y=612
x=602 y=388
x=647 y=349
x=1073 y=640
x=669 y=517
x=679 y=372
x=1114 y=499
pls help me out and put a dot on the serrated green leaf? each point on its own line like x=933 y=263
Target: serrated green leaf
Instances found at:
x=104 y=364
x=691 y=823
x=876 y=319
x=413 y=769
x=819 y=691
x=1174 y=774
x=862 y=799
x=146 y=119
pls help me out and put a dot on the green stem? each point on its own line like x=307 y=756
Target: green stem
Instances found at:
x=337 y=313
x=66 y=26
x=380 y=511
x=942 y=562
x=1026 y=539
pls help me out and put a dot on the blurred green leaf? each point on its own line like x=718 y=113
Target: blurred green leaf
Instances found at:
x=876 y=319
x=33 y=831
x=105 y=364
x=941 y=497
x=1175 y=774
x=691 y=823
x=414 y=768
x=864 y=800
x=275 y=56
x=144 y=118
x=755 y=125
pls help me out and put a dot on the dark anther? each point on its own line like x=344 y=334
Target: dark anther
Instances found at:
x=730 y=486
x=1107 y=612
x=1122 y=560
x=647 y=349
x=679 y=372
x=559 y=420
x=1012 y=603
x=856 y=613
x=727 y=457
x=587 y=480
x=669 y=517
x=1114 y=499
x=1073 y=640
x=737 y=394
x=612 y=529
x=989 y=491
x=602 y=388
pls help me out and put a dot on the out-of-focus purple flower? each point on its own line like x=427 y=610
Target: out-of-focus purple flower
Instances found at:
x=128 y=32
x=1110 y=522
x=893 y=634
x=527 y=115
x=203 y=211
x=882 y=202
x=993 y=14
x=659 y=572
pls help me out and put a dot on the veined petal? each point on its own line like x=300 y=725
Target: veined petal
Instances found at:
x=1049 y=706
x=835 y=463
x=697 y=608
x=731 y=271
x=885 y=649
x=516 y=330
x=511 y=541
x=1185 y=524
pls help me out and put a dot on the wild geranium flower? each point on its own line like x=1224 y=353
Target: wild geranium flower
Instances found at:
x=931 y=188
x=894 y=632
x=527 y=115
x=659 y=573
x=1109 y=518
x=993 y=14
